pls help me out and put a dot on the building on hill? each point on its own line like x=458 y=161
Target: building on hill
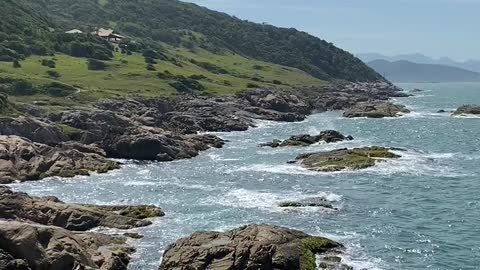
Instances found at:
x=74 y=31
x=109 y=35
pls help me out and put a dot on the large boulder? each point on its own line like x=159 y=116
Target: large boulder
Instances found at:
x=468 y=109
x=51 y=211
x=328 y=136
x=32 y=129
x=343 y=159
x=277 y=101
x=264 y=247
x=375 y=109
x=38 y=247
x=151 y=145
x=24 y=160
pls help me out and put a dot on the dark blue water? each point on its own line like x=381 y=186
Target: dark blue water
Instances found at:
x=418 y=212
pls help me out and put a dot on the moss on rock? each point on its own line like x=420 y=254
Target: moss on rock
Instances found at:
x=342 y=159
x=314 y=245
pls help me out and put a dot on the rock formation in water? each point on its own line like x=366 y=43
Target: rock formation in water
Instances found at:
x=343 y=159
x=265 y=247
x=467 y=109
x=33 y=246
x=328 y=136
x=375 y=109
x=24 y=160
x=45 y=233
x=160 y=129
x=51 y=211
x=312 y=202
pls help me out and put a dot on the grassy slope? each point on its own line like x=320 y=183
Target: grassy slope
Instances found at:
x=131 y=78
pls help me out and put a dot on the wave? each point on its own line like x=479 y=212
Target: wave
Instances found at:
x=250 y=199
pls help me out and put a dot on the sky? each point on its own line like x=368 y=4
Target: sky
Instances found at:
x=436 y=28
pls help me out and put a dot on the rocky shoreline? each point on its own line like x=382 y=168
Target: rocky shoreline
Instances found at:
x=77 y=142
x=45 y=233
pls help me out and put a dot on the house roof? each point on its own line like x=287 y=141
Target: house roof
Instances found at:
x=74 y=31
x=104 y=32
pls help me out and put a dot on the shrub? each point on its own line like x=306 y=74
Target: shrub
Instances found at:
x=197 y=77
x=183 y=84
x=94 y=64
x=210 y=67
x=150 y=60
x=59 y=90
x=252 y=85
x=150 y=53
x=53 y=74
x=22 y=88
x=48 y=63
x=6 y=58
x=151 y=67
x=164 y=75
x=16 y=64
x=277 y=82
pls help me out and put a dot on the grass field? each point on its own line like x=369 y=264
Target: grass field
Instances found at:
x=127 y=76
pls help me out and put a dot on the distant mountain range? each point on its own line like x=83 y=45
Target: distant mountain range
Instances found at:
x=406 y=71
x=472 y=65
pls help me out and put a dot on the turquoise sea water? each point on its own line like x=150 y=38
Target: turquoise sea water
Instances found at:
x=419 y=212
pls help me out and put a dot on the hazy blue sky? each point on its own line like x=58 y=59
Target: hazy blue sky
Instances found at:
x=432 y=27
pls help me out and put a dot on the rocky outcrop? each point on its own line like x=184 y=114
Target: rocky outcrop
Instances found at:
x=36 y=247
x=375 y=109
x=24 y=160
x=343 y=159
x=328 y=136
x=32 y=129
x=263 y=247
x=51 y=211
x=312 y=202
x=468 y=109
x=147 y=145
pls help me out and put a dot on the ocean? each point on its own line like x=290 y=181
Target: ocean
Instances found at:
x=421 y=211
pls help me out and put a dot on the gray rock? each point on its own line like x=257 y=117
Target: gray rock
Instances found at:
x=375 y=109
x=263 y=247
x=23 y=160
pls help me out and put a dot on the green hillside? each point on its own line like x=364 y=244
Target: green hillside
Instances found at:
x=170 y=47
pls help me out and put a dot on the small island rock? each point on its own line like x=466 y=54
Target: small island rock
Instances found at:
x=343 y=159
x=263 y=247
x=376 y=109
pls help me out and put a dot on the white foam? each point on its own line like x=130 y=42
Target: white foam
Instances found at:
x=291 y=169
x=250 y=199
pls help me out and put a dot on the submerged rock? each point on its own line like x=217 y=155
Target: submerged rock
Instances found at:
x=315 y=202
x=24 y=160
x=375 y=109
x=265 y=247
x=33 y=246
x=468 y=109
x=51 y=211
x=342 y=159
x=328 y=136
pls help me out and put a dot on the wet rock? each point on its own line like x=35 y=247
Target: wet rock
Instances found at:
x=468 y=109
x=441 y=111
x=343 y=159
x=328 y=136
x=375 y=109
x=51 y=211
x=314 y=202
x=416 y=90
x=148 y=145
x=32 y=129
x=23 y=160
x=33 y=246
x=264 y=247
